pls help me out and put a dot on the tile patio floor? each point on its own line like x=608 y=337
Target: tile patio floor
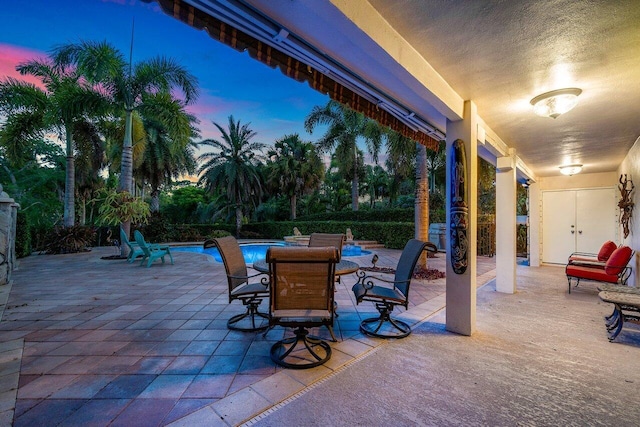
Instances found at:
x=86 y=341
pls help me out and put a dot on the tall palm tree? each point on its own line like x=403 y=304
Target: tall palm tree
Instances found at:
x=233 y=166
x=345 y=126
x=130 y=85
x=65 y=102
x=294 y=168
x=376 y=182
x=401 y=150
x=169 y=147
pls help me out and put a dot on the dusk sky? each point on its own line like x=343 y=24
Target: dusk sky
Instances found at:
x=231 y=83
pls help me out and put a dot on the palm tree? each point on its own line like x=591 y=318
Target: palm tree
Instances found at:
x=376 y=182
x=63 y=105
x=169 y=147
x=294 y=168
x=401 y=150
x=233 y=167
x=130 y=85
x=345 y=127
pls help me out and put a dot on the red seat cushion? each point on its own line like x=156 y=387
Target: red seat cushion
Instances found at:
x=590 y=273
x=606 y=250
x=618 y=260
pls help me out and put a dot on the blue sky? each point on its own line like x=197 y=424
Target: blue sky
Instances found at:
x=231 y=83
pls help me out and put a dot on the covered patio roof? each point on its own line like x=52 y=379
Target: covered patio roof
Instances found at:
x=430 y=56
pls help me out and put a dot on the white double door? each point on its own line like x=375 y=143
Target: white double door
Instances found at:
x=577 y=220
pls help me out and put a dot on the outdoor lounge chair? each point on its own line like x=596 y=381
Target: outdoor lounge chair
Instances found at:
x=251 y=294
x=151 y=251
x=594 y=259
x=615 y=270
x=134 y=248
x=301 y=296
x=386 y=298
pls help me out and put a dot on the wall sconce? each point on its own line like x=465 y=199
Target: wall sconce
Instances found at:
x=625 y=204
x=556 y=102
x=570 y=169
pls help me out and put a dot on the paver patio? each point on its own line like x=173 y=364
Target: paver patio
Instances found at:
x=86 y=341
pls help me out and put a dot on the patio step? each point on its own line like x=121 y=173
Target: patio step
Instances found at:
x=368 y=244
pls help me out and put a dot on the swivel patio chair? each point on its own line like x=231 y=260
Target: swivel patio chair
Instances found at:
x=318 y=240
x=301 y=296
x=151 y=251
x=251 y=294
x=386 y=298
x=134 y=249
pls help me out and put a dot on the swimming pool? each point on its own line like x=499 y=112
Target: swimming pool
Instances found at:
x=256 y=251
x=250 y=251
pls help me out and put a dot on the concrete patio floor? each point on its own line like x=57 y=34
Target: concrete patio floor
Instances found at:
x=86 y=341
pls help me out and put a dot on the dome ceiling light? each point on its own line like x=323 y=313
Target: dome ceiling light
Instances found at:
x=570 y=169
x=556 y=102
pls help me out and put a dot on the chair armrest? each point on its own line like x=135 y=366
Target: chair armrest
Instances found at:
x=251 y=276
x=367 y=280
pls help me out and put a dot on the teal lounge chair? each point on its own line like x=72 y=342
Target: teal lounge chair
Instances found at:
x=134 y=248
x=151 y=251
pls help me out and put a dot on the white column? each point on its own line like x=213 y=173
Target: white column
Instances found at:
x=506 y=229
x=461 y=288
x=535 y=219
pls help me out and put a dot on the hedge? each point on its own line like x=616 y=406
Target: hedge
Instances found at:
x=393 y=235
x=23 y=235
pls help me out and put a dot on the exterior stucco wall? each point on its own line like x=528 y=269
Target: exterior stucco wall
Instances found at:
x=581 y=180
x=631 y=166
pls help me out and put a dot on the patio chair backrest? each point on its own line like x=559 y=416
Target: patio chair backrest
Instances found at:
x=233 y=259
x=407 y=263
x=141 y=242
x=302 y=280
x=617 y=262
x=318 y=240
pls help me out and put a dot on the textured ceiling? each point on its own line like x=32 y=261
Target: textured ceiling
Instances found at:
x=501 y=54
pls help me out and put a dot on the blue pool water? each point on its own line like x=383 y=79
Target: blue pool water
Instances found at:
x=250 y=251
x=256 y=251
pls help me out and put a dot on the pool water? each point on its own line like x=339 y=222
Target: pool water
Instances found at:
x=250 y=251
x=255 y=251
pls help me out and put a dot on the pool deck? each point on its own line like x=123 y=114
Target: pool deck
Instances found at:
x=86 y=341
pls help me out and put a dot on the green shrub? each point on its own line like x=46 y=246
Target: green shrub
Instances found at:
x=393 y=235
x=218 y=233
x=64 y=240
x=23 y=235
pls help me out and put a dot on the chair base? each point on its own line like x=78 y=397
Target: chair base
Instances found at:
x=374 y=325
x=302 y=350
x=251 y=313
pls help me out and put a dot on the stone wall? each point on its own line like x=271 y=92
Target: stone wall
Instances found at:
x=8 y=218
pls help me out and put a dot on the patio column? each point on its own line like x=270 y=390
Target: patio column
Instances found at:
x=461 y=288
x=534 y=224
x=506 y=229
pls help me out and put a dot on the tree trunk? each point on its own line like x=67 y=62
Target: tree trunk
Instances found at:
x=126 y=164
x=69 y=184
x=354 y=193
x=293 y=200
x=238 y=220
x=83 y=211
x=422 y=200
x=126 y=169
x=154 y=206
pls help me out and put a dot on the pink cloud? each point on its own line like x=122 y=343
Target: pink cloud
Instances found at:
x=11 y=55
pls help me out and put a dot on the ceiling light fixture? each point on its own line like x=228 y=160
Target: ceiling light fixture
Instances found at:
x=556 y=102
x=570 y=169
